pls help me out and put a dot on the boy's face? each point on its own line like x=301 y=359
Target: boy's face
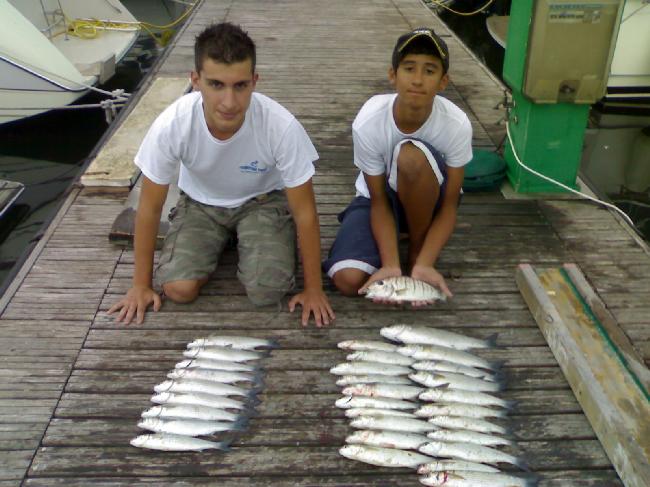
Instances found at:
x=226 y=91
x=419 y=77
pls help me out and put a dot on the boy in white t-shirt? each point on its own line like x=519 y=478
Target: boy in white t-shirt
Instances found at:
x=242 y=162
x=411 y=147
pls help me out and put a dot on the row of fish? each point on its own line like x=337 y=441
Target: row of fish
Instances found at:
x=212 y=392
x=423 y=401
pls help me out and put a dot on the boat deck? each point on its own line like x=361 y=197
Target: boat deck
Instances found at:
x=74 y=382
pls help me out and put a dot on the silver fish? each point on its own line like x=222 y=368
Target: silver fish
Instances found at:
x=467 y=436
x=223 y=376
x=204 y=386
x=383 y=457
x=403 y=289
x=217 y=365
x=347 y=402
x=198 y=399
x=475 y=479
x=347 y=380
x=447 y=395
x=380 y=357
x=442 y=366
x=222 y=353
x=363 y=368
x=188 y=427
x=435 y=352
x=455 y=465
x=367 y=345
x=433 y=336
x=470 y=452
x=190 y=412
x=455 y=381
x=393 y=391
x=237 y=342
x=458 y=409
x=387 y=439
x=356 y=412
x=170 y=442
x=474 y=424
x=392 y=423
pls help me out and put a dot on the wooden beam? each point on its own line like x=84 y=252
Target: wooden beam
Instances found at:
x=611 y=395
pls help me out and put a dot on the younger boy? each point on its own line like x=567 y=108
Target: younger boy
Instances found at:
x=411 y=147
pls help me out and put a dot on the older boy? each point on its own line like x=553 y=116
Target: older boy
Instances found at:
x=237 y=151
x=411 y=147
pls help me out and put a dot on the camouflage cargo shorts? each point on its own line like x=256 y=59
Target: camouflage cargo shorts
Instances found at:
x=266 y=244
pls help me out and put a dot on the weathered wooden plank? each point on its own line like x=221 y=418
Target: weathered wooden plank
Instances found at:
x=616 y=406
x=14 y=463
x=283 y=381
x=301 y=460
x=566 y=478
x=307 y=404
x=287 y=432
x=21 y=436
x=290 y=339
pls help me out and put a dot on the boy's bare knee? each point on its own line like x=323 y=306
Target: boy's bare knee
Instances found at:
x=182 y=291
x=349 y=281
x=411 y=162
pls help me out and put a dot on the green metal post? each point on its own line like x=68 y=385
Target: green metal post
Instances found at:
x=547 y=137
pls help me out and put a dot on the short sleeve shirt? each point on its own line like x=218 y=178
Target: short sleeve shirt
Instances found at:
x=270 y=151
x=375 y=135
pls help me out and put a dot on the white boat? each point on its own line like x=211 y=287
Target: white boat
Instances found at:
x=53 y=51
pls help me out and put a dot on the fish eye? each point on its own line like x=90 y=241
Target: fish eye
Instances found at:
x=380 y=283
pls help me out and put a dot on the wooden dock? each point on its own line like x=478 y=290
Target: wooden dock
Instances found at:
x=74 y=383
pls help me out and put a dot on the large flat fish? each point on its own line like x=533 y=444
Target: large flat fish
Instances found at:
x=421 y=335
x=403 y=289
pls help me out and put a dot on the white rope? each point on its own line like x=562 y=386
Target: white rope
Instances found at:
x=564 y=186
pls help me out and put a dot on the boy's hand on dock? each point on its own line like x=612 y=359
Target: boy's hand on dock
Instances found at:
x=430 y=276
x=313 y=301
x=135 y=304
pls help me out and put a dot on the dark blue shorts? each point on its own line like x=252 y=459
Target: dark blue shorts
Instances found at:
x=355 y=246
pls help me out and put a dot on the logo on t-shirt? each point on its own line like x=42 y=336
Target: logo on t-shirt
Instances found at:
x=254 y=166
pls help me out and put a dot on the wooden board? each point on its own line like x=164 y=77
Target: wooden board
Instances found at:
x=615 y=401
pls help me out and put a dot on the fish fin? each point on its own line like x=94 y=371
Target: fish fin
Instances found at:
x=222 y=445
x=272 y=344
x=491 y=341
x=499 y=376
x=240 y=424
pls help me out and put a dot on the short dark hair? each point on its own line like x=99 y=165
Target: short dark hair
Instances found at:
x=422 y=40
x=223 y=43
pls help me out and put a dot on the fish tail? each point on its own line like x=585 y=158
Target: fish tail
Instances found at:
x=521 y=463
x=222 y=445
x=531 y=480
x=239 y=424
x=510 y=405
x=499 y=376
x=272 y=344
x=496 y=364
x=491 y=341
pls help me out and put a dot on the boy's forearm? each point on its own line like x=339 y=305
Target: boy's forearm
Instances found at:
x=146 y=234
x=437 y=236
x=385 y=233
x=309 y=242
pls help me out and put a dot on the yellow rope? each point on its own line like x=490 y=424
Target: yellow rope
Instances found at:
x=89 y=28
x=466 y=14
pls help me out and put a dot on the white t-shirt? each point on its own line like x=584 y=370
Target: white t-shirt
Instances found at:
x=375 y=135
x=270 y=151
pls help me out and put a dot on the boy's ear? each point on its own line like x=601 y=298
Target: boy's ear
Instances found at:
x=391 y=76
x=444 y=81
x=194 y=78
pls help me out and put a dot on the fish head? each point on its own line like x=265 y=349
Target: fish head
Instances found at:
x=383 y=289
x=183 y=364
x=163 y=386
x=191 y=352
x=161 y=397
x=139 y=441
x=392 y=332
x=152 y=412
